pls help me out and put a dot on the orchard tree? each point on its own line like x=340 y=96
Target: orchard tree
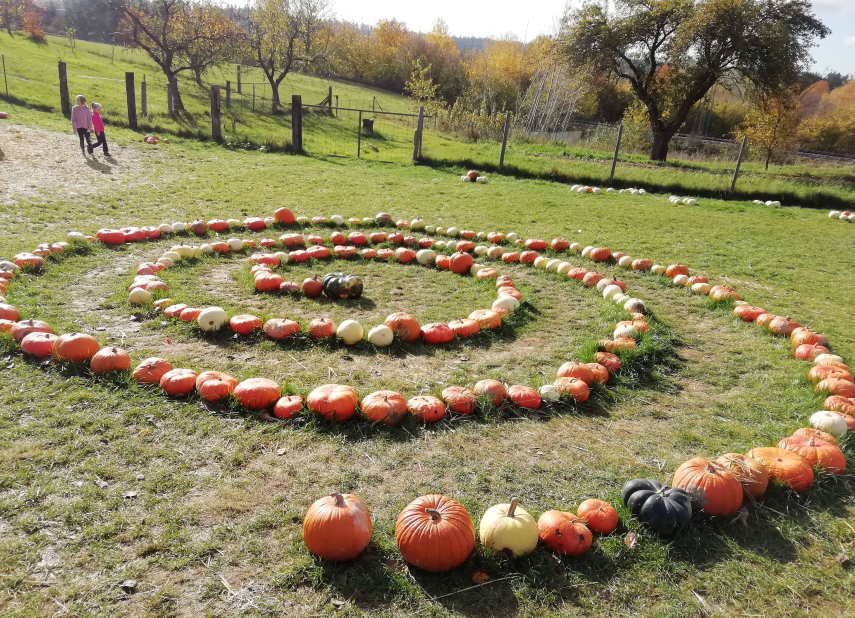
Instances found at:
x=12 y=14
x=772 y=124
x=286 y=36
x=672 y=52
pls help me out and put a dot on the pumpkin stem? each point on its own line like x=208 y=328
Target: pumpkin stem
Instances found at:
x=434 y=514
x=339 y=499
x=512 y=507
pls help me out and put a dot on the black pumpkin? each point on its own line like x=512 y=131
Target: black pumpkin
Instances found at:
x=666 y=510
x=383 y=218
x=340 y=285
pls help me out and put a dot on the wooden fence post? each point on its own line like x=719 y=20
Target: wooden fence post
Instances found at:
x=238 y=76
x=505 y=130
x=132 y=99
x=144 y=97
x=64 y=101
x=4 y=74
x=330 y=98
x=228 y=94
x=297 y=123
x=253 y=96
x=417 y=137
x=617 y=150
x=738 y=163
x=359 y=136
x=216 y=127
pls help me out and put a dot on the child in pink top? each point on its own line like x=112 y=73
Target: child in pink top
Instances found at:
x=98 y=123
x=81 y=121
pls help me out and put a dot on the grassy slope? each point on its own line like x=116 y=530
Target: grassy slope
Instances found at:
x=216 y=522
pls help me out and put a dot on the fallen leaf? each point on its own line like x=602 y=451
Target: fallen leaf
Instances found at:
x=480 y=577
x=842 y=559
x=129 y=585
x=347 y=357
x=281 y=451
x=631 y=539
x=140 y=477
x=338 y=603
x=102 y=484
x=128 y=495
x=168 y=341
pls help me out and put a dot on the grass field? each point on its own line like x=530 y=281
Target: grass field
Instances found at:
x=97 y=71
x=102 y=481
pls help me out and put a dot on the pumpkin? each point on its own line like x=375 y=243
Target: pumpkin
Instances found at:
x=600 y=254
x=676 y=269
x=816 y=433
x=245 y=324
x=267 y=281
x=349 y=331
x=782 y=326
x=320 y=328
x=212 y=318
x=843 y=405
x=435 y=533
x=426 y=408
x=750 y=472
x=340 y=285
x=764 y=318
x=107 y=360
x=601 y=374
x=818 y=373
x=713 y=488
x=178 y=382
x=817 y=452
x=38 y=344
x=150 y=370
x=335 y=402
x=508 y=291
x=591 y=279
x=460 y=262
x=337 y=527
x=380 y=336
x=280 y=328
x=802 y=335
x=492 y=389
x=21 y=329
x=645 y=264
x=666 y=510
x=487 y=318
x=549 y=393
x=614 y=345
x=787 y=467
x=386 y=407
x=572 y=369
x=460 y=399
x=574 y=387
x=836 y=386
x=438 y=332
x=600 y=516
x=508 y=528
x=286 y=407
x=6 y=326
x=9 y=312
x=524 y=397
x=75 y=347
x=830 y=422
x=213 y=386
x=611 y=361
x=284 y=215
x=464 y=327
x=559 y=244
x=257 y=393
x=564 y=533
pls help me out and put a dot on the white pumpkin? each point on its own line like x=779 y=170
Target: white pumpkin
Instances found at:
x=576 y=247
x=440 y=231
x=481 y=180
x=509 y=303
x=625 y=261
x=417 y=224
x=829 y=422
x=439 y=243
x=481 y=235
x=425 y=256
x=451 y=244
x=465 y=178
x=283 y=257
x=658 y=269
x=381 y=336
x=337 y=220
x=178 y=226
x=453 y=231
x=300 y=220
x=621 y=298
x=626 y=330
x=541 y=262
x=512 y=237
x=368 y=220
x=235 y=244
x=206 y=249
x=165 y=228
x=701 y=288
x=609 y=190
x=551 y=264
x=185 y=251
x=642 y=192
x=834 y=214
x=586 y=252
x=680 y=280
x=574 y=187
x=635 y=305
x=495 y=252
x=76 y=237
x=823 y=359
x=596 y=190
x=549 y=393
x=612 y=291
x=508 y=527
x=473 y=270
x=167 y=262
x=139 y=296
x=564 y=268
x=430 y=229
x=172 y=255
x=212 y=318
x=481 y=250
x=349 y=331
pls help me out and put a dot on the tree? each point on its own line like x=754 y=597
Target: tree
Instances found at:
x=11 y=14
x=673 y=51
x=33 y=24
x=212 y=39
x=422 y=90
x=772 y=124
x=287 y=36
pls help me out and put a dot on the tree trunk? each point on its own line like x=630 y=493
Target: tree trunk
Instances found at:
x=177 y=103
x=659 y=148
x=768 y=157
x=274 y=87
x=198 y=74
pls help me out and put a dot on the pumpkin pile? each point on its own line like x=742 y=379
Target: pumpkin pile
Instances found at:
x=474 y=176
x=845 y=216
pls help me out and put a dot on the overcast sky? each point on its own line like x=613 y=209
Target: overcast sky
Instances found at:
x=529 y=18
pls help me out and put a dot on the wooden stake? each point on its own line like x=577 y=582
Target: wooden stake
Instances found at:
x=132 y=99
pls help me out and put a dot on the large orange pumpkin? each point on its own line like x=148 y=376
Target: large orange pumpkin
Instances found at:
x=280 y=328
x=748 y=313
x=750 y=472
x=75 y=347
x=178 y=382
x=213 y=386
x=573 y=369
x=818 y=373
x=435 y=533
x=245 y=324
x=257 y=393
x=405 y=326
x=426 y=408
x=460 y=263
x=460 y=399
x=524 y=396
x=713 y=488
x=808 y=432
x=23 y=328
x=438 y=332
x=676 y=269
x=107 y=360
x=335 y=402
x=785 y=466
x=150 y=370
x=574 y=387
x=38 y=344
x=600 y=516
x=337 y=527
x=321 y=328
x=836 y=386
x=609 y=360
x=817 y=452
x=802 y=335
x=601 y=254
x=843 y=405
x=601 y=374
x=386 y=407
x=782 y=326
x=487 y=318
x=493 y=389
x=564 y=533
x=464 y=327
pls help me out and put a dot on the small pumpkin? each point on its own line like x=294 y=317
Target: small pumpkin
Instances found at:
x=321 y=328
x=464 y=327
x=335 y=402
x=281 y=328
x=426 y=408
x=574 y=387
x=38 y=344
x=435 y=533
x=787 y=467
x=666 y=510
x=564 y=533
x=340 y=285
x=573 y=369
x=460 y=399
x=75 y=347
x=611 y=361
x=750 y=472
x=508 y=528
x=405 y=326
x=178 y=382
x=386 y=407
x=438 y=332
x=337 y=527
x=600 y=516
x=843 y=405
x=245 y=324
x=493 y=389
x=830 y=422
x=150 y=370
x=257 y=393
x=713 y=488
x=524 y=396
x=487 y=318
x=288 y=406
x=214 y=386
x=836 y=386
x=601 y=374
x=107 y=360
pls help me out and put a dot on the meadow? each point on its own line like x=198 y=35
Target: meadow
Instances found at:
x=104 y=481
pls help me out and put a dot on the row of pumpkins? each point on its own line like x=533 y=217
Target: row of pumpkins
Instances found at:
x=841 y=215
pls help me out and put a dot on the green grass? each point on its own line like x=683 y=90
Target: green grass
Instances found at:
x=214 y=528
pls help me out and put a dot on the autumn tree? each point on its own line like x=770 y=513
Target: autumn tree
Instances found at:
x=285 y=36
x=33 y=24
x=212 y=39
x=772 y=124
x=672 y=52
x=422 y=89
x=12 y=14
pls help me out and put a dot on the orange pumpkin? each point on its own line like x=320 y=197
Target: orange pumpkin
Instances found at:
x=802 y=335
x=509 y=291
x=107 y=360
x=150 y=370
x=23 y=328
x=610 y=361
x=6 y=326
x=492 y=389
x=817 y=452
x=713 y=488
x=288 y=406
x=386 y=407
x=173 y=311
x=750 y=472
x=405 y=326
x=335 y=402
x=487 y=273
x=559 y=244
x=645 y=264
x=722 y=292
x=426 y=408
x=438 y=332
x=836 y=386
x=591 y=279
x=257 y=393
x=178 y=382
x=748 y=313
x=600 y=516
x=337 y=527
x=764 y=318
x=782 y=326
x=564 y=533
x=189 y=314
x=245 y=324
x=443 y=262
x=622 y=343
x=818 y=373
x=213 y=386
x=785 y=466
x=460 y=263
x=601 y=374
x=808 y=432
x=601 y=254
x=574 y=387
x=504 y=280
x=321 y=328
x=268 y=281
x=487 y=318
x=524 y=396
x=464 y=327
x=460 y=400
x=38 y=344
x=676 y=269
x=808 y=351
x=75 y=347
x=435 y=533
x=843 y=405
x=572 y=369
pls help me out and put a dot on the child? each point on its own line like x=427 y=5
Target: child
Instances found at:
x=98 y=123
x=81 y=121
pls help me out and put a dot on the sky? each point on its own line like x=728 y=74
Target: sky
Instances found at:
x=525 y=20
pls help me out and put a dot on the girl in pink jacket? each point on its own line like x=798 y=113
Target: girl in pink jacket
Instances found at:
x=98 y=123
x=81 y=121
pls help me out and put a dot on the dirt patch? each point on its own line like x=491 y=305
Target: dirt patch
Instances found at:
x=53 y=166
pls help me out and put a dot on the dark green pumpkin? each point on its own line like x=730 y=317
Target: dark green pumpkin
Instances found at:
x=383 y=217
x=666 y=510
x=340 y=285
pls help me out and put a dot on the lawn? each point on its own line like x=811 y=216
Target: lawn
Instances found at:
x=103 y=481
